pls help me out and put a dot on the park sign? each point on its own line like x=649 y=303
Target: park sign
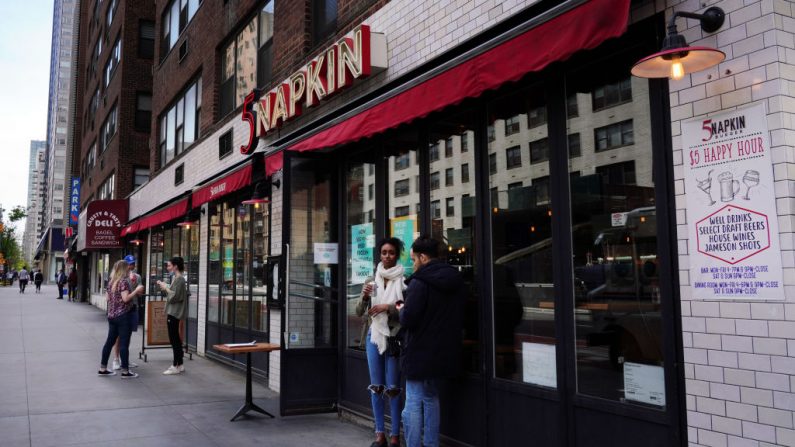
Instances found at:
x=733 y=236
x=357 y=55
x=100 y=225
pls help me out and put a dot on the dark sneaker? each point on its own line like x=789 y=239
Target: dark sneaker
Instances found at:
x=129 y=375
x=107 y=372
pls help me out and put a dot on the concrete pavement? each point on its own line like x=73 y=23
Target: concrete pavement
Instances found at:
x=50 y=394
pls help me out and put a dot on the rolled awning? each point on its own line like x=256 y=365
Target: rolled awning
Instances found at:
x=584 y=27
x=174 y=211
x=228 y=184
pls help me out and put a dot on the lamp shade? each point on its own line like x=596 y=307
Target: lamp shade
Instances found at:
x=691 y=59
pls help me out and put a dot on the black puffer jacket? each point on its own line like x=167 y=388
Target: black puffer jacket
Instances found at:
x=431 y=322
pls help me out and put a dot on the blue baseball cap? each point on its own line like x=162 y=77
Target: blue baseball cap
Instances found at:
x=129 y=259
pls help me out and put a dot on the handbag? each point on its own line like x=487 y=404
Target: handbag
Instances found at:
x=394 y=346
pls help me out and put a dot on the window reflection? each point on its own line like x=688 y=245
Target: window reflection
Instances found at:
x=403 y=191
x=453 y=217
x=522 y=257
x=360 y=233
x=614 y=236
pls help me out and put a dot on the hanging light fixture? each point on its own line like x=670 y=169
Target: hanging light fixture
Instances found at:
x=259 y=196
x=676 y=58
x=186 y=222
x=136 y=241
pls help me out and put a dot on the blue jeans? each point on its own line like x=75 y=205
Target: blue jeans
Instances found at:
x=118 y=327
x=384 y=384
x=421 y=414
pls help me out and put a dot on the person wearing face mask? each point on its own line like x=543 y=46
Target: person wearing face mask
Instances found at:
x=379 y=299
x=176 y=310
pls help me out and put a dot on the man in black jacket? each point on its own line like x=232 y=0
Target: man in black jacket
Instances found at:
x=431 y=320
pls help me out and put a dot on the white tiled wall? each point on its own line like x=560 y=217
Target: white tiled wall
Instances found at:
x=740 y=356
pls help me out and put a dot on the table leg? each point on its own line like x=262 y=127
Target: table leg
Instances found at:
x=249 y=405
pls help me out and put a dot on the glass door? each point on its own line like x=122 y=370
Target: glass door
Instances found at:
x=310 y=318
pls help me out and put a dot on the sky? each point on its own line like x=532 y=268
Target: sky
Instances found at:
x=25 y=37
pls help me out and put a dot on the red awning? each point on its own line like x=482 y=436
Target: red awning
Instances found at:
x=219 y=188
x=273 y=162
x=174 y=211
x=581 y=28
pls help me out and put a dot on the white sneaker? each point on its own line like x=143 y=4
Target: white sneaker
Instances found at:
x=181 y=368
x=116 y=365
x=172 y=370
x=132 y=365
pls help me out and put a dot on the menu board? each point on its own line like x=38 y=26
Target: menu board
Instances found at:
x=156 y=326
x=733 y=238
x=644 y=383
x=539 y=365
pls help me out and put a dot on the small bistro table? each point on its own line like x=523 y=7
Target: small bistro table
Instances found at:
x=259 y=347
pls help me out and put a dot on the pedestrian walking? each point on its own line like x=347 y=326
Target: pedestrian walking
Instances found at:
x=60 y=281
x=176 y=309
x=135 y=280
x=38 y=278
x=432 y=321
x=72 y=282
x=119 y=296
x=23 y=279
x=379 y=299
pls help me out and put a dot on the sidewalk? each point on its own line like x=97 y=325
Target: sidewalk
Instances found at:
x=50 y=394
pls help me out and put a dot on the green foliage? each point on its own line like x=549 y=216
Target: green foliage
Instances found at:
x=9 y=245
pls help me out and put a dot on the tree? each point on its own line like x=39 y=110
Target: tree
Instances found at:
x=9 y=246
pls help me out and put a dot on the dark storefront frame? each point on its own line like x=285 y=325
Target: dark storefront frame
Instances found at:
x=503 y=411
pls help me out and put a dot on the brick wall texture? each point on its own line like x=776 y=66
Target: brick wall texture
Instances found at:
x=740 y=356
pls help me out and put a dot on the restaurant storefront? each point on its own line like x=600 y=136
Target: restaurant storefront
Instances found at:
x=545 y=169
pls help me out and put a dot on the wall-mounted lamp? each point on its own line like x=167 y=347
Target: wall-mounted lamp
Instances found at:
x=136 y=241
x=260 y=195
x=676 y=59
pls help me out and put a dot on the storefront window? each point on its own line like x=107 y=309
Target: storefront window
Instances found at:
x=261 y=243
x=192 y=268
x=227 y=265
x=155 y=261
x=614 y=237
x=242 y=266
x=360 y=224
x=456 y=230
x=403 y=193
x=521 y=235
x=214 y=265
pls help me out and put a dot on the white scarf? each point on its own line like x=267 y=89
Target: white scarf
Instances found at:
x=379 y=329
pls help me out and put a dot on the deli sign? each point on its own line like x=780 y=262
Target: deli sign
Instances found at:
x=358 y=55
x=103 y=222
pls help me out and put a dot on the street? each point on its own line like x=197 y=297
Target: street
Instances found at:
x=50 y=394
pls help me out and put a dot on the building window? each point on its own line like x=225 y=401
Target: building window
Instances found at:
x=448 y=177
x=514 y=185
x=111 y=12
x=402 y=161
x=402 y=188
x=614 y=135
x=541 y=189
x=140 y=176
x=179 y=125
x=146 y=39
x=572 y=110
x=539 y=150
x=370 y=191
x=107 y=187
x=91 y=157
x=401 y=211
x=490 y=132
x=513 y=157
x=265 y=51
x=512 y=125
x=618 y=173
x=448 y=147
x=177 y=16
x=464 y=142
x=449 y=205
x=324 y=18
x=465 y=173
x=433 y=150
x=537 y=116
x=612 y=94
x=435 y=180
x=179 y=174
x=108 y=129
x=436 y=212
x=225 y=144
x=143 y=112
x=574 y=145
x=239 y=68
x=113 y=62
x=492 y=163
